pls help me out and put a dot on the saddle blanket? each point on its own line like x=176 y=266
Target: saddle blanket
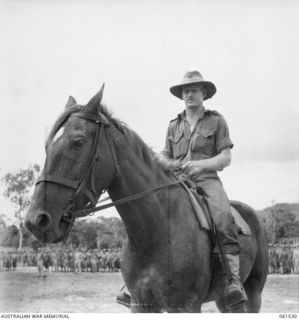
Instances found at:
x=205 y=221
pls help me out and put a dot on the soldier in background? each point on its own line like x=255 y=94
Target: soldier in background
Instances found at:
x=1 y=261
x=40 y=262
x=296 y=258
x=8 y=261
x=14 y=260
x=54 y=260
x=78 y=260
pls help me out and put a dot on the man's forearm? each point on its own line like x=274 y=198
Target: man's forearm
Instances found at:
x=217 y=163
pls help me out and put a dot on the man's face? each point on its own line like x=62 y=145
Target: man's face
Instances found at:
x=193 y=95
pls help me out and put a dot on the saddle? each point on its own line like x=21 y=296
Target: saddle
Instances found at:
x=202 y=214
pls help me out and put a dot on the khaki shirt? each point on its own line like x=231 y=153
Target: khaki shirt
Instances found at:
x=208 y=138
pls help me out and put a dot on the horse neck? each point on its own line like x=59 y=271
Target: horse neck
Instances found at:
x=145 y=217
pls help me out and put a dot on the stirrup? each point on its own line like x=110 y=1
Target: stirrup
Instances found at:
x=124 y=299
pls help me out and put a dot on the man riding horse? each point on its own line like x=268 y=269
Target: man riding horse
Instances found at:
x=197 y=146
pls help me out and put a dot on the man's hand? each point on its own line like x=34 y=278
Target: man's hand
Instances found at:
x=173 y=165
x=193 y=168
x=168 y=164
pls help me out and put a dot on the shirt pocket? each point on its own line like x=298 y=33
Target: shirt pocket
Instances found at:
x=203 y=142
x=179 y=145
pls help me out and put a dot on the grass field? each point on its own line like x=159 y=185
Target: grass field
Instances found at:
x=23 y=291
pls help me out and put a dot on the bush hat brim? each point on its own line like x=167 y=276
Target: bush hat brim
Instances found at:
x=191 y=78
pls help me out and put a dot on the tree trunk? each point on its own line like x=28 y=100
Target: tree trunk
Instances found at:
x=20 y=241
x=98 y=239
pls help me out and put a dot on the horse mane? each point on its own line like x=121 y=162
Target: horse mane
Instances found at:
x=142 y=150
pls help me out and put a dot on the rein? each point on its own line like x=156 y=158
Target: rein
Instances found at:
x=88 y=211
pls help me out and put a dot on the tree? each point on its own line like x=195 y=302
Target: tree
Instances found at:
x=17 y=189
x=281 y=220
x=112 y=231
x=101 y=233
x=10 y=237
x=3 y=228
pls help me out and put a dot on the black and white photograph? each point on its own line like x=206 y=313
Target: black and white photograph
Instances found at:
x=149 y=157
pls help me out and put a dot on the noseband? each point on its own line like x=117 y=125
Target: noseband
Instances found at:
x=80 y=186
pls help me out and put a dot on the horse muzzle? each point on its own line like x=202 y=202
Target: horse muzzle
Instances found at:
x=44 y=229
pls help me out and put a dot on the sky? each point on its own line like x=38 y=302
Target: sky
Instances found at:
x=248 y=48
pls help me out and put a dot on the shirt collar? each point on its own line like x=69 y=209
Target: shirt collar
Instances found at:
x=182 y=115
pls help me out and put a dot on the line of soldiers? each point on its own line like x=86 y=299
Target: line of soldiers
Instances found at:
x=8 y=261
x=69 y=260
x=283 y=258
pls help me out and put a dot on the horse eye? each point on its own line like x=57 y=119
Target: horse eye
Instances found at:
x=79 y=143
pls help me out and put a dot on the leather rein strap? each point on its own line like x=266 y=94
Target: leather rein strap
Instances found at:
x=88 y=211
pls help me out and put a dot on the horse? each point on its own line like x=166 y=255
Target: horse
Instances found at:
x=167 y=261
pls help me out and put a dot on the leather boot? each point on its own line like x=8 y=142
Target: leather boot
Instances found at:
x=234 y=293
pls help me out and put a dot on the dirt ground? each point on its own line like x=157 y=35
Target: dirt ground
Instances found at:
x=23 y=291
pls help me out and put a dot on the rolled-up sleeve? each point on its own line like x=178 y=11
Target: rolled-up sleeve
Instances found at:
x=167 y=151
x=223 y=140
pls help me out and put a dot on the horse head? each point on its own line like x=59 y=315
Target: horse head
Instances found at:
x=79 y=165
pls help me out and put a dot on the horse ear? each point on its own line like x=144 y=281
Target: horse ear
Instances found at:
x=95 y=102
x=71 y=101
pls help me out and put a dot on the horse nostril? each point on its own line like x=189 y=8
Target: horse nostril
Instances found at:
x=43 y=221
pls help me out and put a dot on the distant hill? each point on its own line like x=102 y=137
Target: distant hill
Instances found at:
x=281 y=221
x=292 y=208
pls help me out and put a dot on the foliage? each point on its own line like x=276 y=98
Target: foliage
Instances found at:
x=281 y=221
x=98 y=233
x=17 y=189
x=10 y=237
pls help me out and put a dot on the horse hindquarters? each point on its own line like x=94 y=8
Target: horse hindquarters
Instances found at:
x=256 y=255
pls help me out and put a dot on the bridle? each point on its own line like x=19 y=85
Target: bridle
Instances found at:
x=81 y=185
